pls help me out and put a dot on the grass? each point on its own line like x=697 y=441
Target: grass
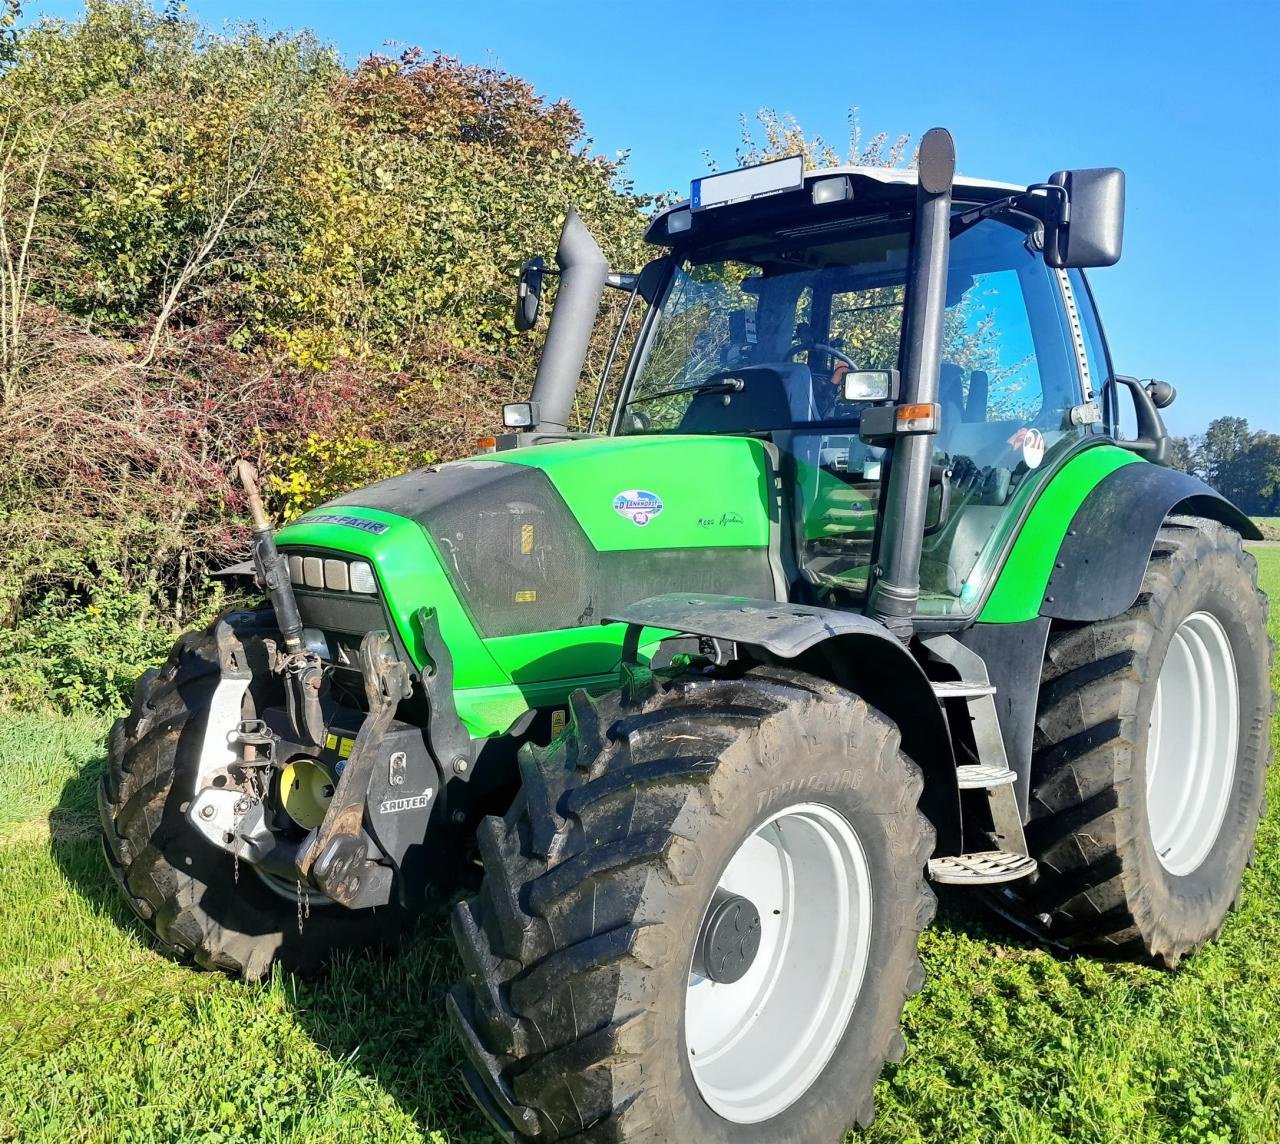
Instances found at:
x=1270 y=526
x=104 y=1039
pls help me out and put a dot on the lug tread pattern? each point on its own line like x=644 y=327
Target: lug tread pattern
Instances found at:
x=561 y=1013
x=1082 y=828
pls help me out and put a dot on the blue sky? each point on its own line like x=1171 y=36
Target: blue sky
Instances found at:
x=1183 y=96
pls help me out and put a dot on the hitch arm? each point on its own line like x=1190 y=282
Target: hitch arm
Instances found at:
x=335 y=856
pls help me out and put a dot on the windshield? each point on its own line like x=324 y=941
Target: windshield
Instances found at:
x=757 y=335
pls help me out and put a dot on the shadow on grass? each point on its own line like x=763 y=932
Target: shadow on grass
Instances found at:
x=383 y=1015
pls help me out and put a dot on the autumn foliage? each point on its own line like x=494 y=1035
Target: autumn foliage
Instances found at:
x=215 y=246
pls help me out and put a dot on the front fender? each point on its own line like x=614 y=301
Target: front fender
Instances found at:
x=1103 y=557
x=844 y=647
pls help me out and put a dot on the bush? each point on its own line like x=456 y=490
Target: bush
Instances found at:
x=83 y=652
x=223 y=246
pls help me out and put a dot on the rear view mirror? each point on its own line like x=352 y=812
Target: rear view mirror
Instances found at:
x=871 y=385
x=529 y=297
x=1090 y=230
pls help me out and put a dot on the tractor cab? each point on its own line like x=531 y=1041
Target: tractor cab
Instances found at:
x=779 y=311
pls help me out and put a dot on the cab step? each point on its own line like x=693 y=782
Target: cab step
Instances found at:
x=962 y=688
x=982 y=869
x=983 y=776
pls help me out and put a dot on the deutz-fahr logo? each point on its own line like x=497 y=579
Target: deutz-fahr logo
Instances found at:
x=637 y=505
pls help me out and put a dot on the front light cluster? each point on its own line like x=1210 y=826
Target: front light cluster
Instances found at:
x=336 y=575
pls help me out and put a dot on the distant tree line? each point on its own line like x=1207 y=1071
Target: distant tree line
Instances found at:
x=1242 y=464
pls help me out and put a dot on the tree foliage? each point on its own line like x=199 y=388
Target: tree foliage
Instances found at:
x=215 y=246
x=1242 y=464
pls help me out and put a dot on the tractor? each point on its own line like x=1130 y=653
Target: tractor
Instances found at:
x=850 y=585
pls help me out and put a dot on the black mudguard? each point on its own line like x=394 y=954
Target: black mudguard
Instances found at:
x=847 y=648
x=1104 y=555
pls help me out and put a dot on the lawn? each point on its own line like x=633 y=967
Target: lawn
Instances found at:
x=104 y=1039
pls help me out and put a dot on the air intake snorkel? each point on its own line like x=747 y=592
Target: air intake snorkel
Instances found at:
x=897 y=587
x=583 y=270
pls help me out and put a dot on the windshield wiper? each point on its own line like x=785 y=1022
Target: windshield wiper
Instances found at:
x=719 y=385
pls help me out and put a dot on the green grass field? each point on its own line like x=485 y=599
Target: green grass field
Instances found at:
x=104 y=1039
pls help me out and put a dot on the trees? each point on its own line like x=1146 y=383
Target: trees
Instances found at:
x=1243 y=465
x=215 y=246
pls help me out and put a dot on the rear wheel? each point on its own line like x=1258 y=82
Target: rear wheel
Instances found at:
x=1153 y=739
x=699 y=919
x=188 y=893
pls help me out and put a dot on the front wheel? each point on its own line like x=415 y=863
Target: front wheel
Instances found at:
x=698 y=920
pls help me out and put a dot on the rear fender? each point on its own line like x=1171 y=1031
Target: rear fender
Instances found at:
x=1104 y=555
x=846 y=648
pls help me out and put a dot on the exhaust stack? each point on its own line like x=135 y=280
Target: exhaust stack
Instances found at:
x=583 y=269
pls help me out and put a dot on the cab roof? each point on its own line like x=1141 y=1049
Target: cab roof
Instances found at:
x=882 y=186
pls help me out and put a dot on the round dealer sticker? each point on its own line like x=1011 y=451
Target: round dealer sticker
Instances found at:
x=637 y=505
x=1031 y=442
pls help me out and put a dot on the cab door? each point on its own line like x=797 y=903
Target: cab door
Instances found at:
x=1011 y=396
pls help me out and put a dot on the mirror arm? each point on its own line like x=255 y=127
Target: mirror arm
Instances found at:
x=1050 y=207
x=1153 y=438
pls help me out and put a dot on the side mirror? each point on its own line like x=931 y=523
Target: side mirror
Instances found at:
x=529 y=297
x=1087 y=229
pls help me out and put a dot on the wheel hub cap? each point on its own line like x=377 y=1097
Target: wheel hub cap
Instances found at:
x=730 y=939
x=1191 y=743
x=791 y=917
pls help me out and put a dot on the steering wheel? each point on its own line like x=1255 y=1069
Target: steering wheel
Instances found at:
x=822 y=347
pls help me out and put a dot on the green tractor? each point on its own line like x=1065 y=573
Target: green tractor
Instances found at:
x=859 y=588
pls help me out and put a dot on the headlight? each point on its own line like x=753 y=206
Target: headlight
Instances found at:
x=333 y=574
x=362 y=578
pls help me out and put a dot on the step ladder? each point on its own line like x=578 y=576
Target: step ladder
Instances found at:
x=1010 y=860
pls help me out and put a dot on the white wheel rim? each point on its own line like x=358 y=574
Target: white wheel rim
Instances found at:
x=756 y=1045
x=1192 y=743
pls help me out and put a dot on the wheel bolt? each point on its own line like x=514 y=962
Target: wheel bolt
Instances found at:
x=460 y=766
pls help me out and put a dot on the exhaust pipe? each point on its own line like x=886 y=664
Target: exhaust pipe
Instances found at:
x=897 y=588
x=583 y=269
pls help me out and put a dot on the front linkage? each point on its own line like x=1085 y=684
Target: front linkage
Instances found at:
x=369 y=782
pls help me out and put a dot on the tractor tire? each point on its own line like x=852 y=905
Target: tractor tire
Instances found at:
x=728 y=858
x=189 y=894
x=1153 y=737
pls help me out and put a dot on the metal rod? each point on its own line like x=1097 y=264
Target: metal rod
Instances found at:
x=272 y=568
x=896 y=591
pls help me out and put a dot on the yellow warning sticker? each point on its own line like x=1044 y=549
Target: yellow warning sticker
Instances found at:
x=557 y=721
x=526 y=596
x=331 y=741
x=344 y=746
x=526 y=539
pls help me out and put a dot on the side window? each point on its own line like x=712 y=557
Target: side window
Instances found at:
x=1009 y=380
x=867 y=325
